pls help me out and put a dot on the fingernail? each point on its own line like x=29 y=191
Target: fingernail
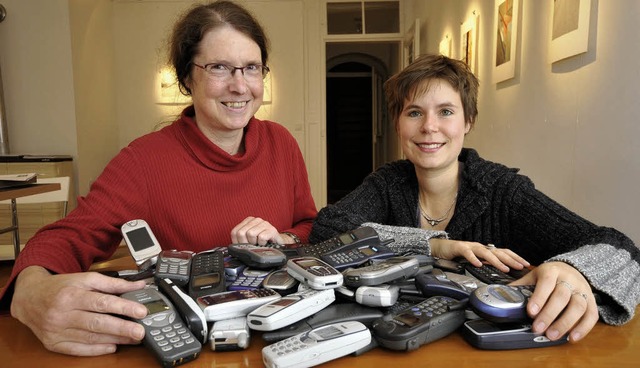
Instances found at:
x=539 y=327
x=139 y=333
x=553 y=334
x=575 y=336
x=141 y=311
x=534 y=309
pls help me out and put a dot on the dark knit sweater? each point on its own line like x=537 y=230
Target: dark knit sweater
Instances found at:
x=497 y=205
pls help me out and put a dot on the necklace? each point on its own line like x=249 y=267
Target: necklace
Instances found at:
x=432 y=221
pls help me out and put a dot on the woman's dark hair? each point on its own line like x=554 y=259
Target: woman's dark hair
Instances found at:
x=415 y=80
x=196 y=22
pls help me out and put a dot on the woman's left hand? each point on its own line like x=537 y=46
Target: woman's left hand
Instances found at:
x=254 y=230
x=562 y=301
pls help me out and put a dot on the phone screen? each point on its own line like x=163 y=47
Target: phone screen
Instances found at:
x=140 y=239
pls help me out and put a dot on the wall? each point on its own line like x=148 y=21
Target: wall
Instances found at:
x=569 y=126
x=79 y=77
x=37 y=76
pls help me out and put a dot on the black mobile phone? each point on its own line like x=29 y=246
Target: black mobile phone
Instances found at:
x=207 y=274
x=174 y=265
x=354 y=255
x=357 y=237
x=437 y=283
x=166 y=335
x=487 y=335
x=420 y=324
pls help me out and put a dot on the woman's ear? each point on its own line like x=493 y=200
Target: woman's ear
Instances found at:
x=467 y=127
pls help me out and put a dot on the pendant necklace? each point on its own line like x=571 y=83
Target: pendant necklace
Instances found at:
x=433 y=222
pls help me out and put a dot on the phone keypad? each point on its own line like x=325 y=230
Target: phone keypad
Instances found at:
x=346 y=257
x=244 y=282
x=173 y=336
x=489 y=274
x=174 y=266
x=207 y=262
x=290 y=345
x=432 y=307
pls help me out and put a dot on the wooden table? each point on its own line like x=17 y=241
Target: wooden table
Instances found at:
x=17 y=192
x=605 y=346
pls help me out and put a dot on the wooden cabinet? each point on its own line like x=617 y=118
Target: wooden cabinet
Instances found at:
x=32 y=217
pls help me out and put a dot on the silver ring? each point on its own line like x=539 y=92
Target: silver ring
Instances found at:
x=564 y=283
x=490 y=246
x=581 y=294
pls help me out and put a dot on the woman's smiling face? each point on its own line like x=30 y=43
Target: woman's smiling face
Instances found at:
x=432 y=126
x=227 y=104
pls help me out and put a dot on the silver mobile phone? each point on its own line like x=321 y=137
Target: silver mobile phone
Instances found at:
x=142 y=243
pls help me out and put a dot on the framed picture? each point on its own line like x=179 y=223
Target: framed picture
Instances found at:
x=469 y=42
x=445 y=46
x=505 y=39
x=569 y=28
x=412 y=43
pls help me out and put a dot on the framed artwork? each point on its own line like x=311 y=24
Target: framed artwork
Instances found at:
x=412 y=43
x=505 y=28
x=569 y=28
x=469 y=42
x=445 y=46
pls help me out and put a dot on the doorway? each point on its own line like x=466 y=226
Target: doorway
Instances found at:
x=356 y=118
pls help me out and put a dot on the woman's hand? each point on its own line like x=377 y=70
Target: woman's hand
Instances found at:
x=254 y=230
x=501 y=258
x=562 y=301
x=75 y=313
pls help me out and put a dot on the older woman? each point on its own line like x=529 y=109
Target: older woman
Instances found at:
x=215 y=176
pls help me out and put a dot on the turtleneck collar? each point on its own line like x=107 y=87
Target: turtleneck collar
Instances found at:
x=209 y=154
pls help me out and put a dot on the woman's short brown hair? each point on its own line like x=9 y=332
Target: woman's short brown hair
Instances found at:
x=414 y=80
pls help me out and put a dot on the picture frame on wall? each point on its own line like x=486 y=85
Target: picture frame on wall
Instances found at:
x=505 y=28
x=469 y=42
x=412 y=43
x=445 y=46
x=569 y=28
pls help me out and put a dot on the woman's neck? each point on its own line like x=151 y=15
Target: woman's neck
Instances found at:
x=230 y=142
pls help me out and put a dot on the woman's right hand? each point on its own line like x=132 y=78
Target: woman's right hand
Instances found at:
x=75 y=313
x=501 y=258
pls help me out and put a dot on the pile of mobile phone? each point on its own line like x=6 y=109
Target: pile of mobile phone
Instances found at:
x=343 y=296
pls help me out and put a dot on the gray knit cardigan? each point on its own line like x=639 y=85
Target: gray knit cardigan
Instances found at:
x=495 y=205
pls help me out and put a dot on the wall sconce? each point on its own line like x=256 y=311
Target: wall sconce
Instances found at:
x=167 y=90
x=267 y=95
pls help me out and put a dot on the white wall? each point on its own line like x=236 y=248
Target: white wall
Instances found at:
x=79 y=77
x=569 y=126
x=37 y=76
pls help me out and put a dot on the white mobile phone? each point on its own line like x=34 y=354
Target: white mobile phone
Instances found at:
x=384 y=295
x=142 y=243
x=314 y=272
x=317 y=346
x=230 y=334
x=188 y=309
x=236 y=303
x=289 y=309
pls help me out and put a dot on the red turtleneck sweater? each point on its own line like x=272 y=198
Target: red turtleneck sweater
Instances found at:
x=190 y=192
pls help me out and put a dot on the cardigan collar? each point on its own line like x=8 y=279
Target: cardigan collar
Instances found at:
x=209 y=154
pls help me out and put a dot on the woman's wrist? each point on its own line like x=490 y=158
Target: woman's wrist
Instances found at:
x=295 y=239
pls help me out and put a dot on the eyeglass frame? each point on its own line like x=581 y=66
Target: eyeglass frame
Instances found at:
x=232 y=69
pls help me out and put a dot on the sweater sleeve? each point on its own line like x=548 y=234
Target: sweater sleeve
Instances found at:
x=608 y=259
x=304 y=211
